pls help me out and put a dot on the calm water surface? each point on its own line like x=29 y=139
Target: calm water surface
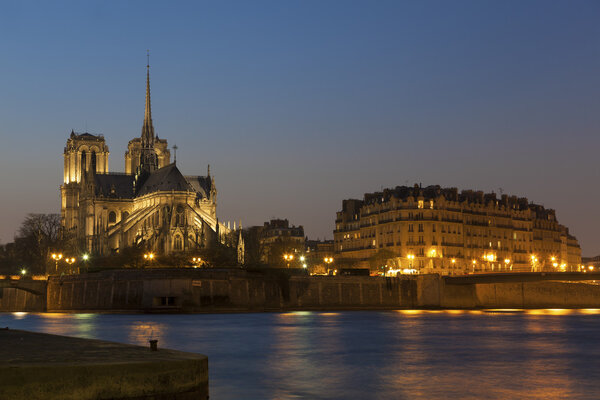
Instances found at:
x=367 y=355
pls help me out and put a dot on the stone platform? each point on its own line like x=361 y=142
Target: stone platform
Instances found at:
x=41 y=366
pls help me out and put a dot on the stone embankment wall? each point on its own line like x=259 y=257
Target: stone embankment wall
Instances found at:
x=234 y=290
x=215 y=290
x=547 y=294
x=22 y=295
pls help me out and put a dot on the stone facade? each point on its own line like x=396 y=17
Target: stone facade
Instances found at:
x=152 y=204
x=437 y=230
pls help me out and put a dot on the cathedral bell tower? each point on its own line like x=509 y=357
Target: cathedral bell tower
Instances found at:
x=84 y=153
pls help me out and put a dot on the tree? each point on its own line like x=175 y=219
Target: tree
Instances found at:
x=37 y=236
x=380 y=259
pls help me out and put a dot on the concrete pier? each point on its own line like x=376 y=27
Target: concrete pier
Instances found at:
x=41 y=366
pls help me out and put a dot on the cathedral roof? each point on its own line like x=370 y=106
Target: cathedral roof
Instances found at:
x=114 y=185
x=201 y=184
x=165 y=179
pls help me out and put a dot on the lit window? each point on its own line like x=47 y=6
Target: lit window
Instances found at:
x=420 y=204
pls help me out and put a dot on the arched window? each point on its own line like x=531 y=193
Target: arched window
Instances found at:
x=93 y=161
x=83 y=160
x=124 y=215
x=178 y=243
x=112 y=217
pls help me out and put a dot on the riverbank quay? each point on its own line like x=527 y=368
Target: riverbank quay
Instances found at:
x=207 y=290
x=50 y=367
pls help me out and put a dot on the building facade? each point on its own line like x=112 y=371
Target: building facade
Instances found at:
x=439 y=230
x=151 y=204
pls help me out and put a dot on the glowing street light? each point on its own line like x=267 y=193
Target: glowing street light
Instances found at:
x=56 y=257
x=85 y=257
x=23 y=271
x=149 y=256
x=288 y=258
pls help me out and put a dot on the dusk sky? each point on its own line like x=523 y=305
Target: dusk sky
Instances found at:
x=299 y=105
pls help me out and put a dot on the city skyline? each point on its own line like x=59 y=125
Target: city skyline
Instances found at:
x=299 y=106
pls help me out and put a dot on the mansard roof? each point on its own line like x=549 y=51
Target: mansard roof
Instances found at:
x=165 y=179
x=114 y=185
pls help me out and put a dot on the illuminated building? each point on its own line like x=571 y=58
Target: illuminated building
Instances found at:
x=152 y=203
x=439 y=230
x=278 y=236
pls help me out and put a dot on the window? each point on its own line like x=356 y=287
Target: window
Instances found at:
x=431 y=204
x=420 y=204
x=420 y=227
x=178 y=243
x=433 y=228
x=410 y=228
x=112 y=217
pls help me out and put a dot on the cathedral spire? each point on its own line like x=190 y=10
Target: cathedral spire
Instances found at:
x=148 y=128
x=148 y=158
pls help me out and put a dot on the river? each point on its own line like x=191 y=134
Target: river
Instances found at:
x=536 y=354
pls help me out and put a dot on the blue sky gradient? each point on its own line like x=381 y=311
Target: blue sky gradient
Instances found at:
x=298 y=105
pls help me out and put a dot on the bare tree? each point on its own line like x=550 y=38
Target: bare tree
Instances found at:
x=37 y=236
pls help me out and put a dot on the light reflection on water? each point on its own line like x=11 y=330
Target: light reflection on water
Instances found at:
x=415 y=354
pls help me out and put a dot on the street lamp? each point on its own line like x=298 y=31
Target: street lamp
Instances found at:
x=196 y=261
x=23 y=272
x=70 y=261
x=149 y=256
x=288 y=258
x=56 y=257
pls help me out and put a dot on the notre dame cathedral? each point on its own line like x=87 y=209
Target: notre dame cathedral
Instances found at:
x=151 y=203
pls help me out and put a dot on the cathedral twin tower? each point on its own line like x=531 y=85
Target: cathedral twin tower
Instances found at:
x=152 y=204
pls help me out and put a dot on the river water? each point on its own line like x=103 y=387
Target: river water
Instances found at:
x=537 y=354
